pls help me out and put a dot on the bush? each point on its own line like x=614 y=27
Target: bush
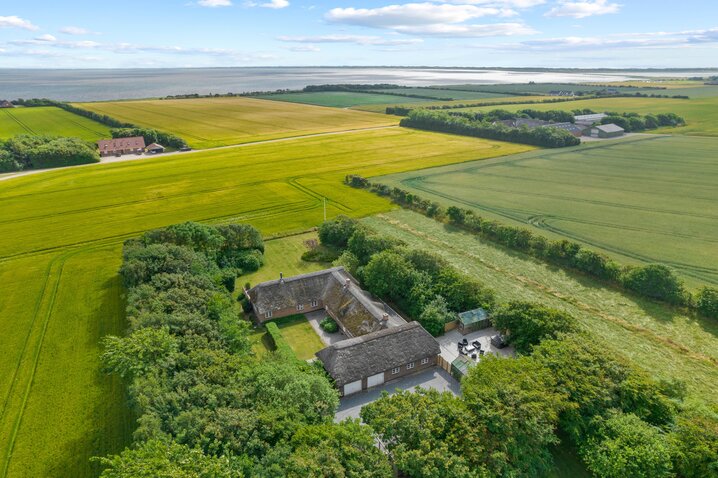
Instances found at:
x=526 y=324
x=36 y=152
x=707 y=302
x=435 y=316
x=321 y=253
x=281 y=346
x=656 y=281
x=337 y=231
x=329 y=325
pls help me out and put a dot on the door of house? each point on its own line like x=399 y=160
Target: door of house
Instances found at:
x=375 y=380
x=352 y=387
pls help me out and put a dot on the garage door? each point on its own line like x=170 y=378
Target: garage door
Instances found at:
x=352 y=387
x=375 y=380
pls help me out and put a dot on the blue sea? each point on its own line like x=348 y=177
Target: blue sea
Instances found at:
x=109 y=84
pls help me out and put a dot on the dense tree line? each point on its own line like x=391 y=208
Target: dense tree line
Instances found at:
x=150 y=135
x=654 y=281
x=447 y=123
x=634 y=122
x=205 y=405
x=38 y=152
x=423 y=285
x=621 y=421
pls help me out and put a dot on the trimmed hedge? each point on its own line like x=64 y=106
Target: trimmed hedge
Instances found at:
x=280 y=345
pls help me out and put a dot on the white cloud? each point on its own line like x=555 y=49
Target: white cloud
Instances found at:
x=74 y=30
x=214 y=3
x=584 y=9
x=520 y=4
x=276 y=4
x=472 y=30
x=16 y=22
x=408 y=14
x=304 y=48
x=356 y=39
x=46 y=38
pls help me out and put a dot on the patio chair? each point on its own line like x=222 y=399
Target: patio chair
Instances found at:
x=473 y=356
x=465 y=341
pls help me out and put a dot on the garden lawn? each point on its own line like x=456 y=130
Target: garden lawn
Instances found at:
x=340 y=99
x=665 y=341
x=60 y=248
x=211 y=122
x=297 y=332
x=51 y=121
x=647 y=199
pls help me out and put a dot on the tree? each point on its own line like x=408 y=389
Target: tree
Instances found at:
x=435 y=316
x=336 y=232
x=526 y=324
x=707 y=302
x=695 y=443
x=155 y=459
x=389 y=274
x=429 y=434
x=518 y=402
x=624 y=445
x=345 y=450
x=656 y=281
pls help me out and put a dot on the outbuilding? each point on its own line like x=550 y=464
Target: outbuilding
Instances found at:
x=607 y=131
x=155 y=148
x=6 y=104
x=472 y=320
x=373 y=359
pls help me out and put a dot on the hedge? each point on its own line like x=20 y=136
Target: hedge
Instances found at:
x=280 y=345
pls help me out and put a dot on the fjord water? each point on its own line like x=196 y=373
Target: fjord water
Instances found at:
x=114 y=84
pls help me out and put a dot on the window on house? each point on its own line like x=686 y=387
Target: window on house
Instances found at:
x=396 y=370
x=424 y=361
x=314 y=302
x=300 y=307
x=410 y=365
x=268 y=314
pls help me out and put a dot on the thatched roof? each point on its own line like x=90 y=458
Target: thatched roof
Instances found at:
x=337 y=289
x=359 y=357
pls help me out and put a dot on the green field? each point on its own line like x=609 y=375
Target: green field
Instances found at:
x=643 y=199
x=663 y=341
x=49 y=120
x=490 y=99
x=440 y=93
x=211 y=122
x=546 y=88
x=60 y=239
x=340 y=99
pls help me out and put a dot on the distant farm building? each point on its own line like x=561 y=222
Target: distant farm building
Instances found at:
x=589 y=120
x=528 y=122
x=607 y=131
x=561 y=93
x=6 y=104
x=570 y=127
x=155 y=148
x=120 y=146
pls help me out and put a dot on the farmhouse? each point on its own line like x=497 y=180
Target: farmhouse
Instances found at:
x=6 y=104
x=119 y=146
x=607 y=131
x=363 y=362
x=155 y=148
x=381 y=346
x=333 y=290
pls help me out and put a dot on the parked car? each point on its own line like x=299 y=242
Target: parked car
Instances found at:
x=185 y=148
x=498 y=341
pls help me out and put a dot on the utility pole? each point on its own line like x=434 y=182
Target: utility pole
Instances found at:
x=325 y=209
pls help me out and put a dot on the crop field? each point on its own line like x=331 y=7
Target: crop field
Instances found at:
x=381 y=108
x=546 y=88
x=49 y=120
x=341 y=99
x=643 y=199
x=211 y=122
x=662 y=340
x=440 y=93
x=700 y=112
x=60 y=242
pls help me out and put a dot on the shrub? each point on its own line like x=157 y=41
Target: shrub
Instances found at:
x=281 y=346
x=526 y=324
x=656 y=281
x=337 y=231
x=329 y=325
x=435 y=316
x=707 y=302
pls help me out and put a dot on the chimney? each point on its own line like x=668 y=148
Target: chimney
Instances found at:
x=385 y=318
x=347 y=282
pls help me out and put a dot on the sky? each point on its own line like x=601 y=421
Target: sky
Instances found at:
x=457 y=33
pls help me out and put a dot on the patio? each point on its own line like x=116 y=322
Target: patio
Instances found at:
x=450 y=350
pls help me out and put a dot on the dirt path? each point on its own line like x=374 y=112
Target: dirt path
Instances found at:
x=137 y=157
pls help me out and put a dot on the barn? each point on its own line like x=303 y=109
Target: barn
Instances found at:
x=607 y=131
x=6 y=104
x=155 y=148
x=373 y=359
x=120 y=146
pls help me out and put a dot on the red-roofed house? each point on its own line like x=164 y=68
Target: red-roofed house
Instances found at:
x=119 y=146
